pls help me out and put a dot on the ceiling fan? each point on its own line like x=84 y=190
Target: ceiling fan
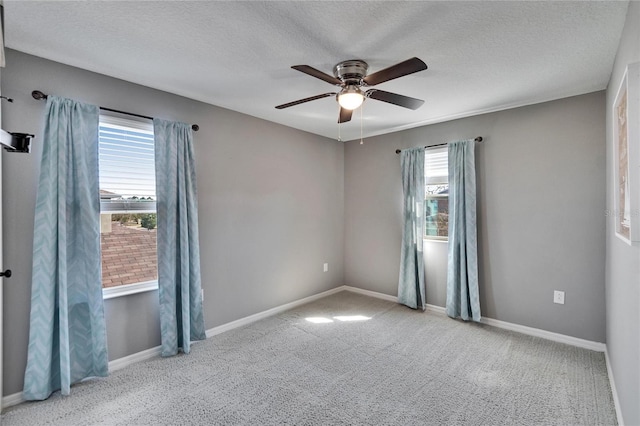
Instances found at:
x=352 y=77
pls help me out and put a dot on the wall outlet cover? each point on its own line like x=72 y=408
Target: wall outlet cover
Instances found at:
x=558 y=297
x=326 y=267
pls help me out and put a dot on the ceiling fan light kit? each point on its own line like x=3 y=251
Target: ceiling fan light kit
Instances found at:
x=351 y=76
x=351 y=97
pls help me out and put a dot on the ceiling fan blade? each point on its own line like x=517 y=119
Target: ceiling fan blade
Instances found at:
x=394 y=98
x=345 y=115
x=398 y=70
x=301 y=101
x=317 y=74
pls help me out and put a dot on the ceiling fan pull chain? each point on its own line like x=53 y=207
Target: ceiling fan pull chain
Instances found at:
x=361 y=108
x=339 y=136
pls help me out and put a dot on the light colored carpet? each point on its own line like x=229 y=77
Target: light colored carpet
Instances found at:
x=400 y=367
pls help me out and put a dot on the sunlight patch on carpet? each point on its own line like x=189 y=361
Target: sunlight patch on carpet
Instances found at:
x=352 y=318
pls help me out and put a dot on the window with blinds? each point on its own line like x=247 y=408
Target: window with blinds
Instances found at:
x=127 y=205
x=436 y=178
x=127 y=165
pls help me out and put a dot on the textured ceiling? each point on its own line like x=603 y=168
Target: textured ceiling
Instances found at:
x=482 y=56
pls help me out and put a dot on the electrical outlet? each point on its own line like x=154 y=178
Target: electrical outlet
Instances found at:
x=558 y=297
x=326 y=267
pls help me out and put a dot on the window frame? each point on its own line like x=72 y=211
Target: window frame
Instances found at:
x=427 y=197
x=125 y=206
x=127 y=289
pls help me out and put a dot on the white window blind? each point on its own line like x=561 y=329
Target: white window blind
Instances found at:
x=127 y=165
x=436 y=168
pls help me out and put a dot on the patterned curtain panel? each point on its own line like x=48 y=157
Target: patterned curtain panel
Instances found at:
x=411 y=283
x=67 y=335
x=181 y=319
x=462 y=272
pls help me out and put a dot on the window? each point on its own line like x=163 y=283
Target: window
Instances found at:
x=436 y=200
x=127 y=205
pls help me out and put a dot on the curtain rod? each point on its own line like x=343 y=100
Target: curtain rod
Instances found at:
x=478 y=139
x=38 y=95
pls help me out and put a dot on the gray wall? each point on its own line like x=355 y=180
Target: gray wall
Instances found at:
x=623 y=261
x=270 y=199
x=541 y=177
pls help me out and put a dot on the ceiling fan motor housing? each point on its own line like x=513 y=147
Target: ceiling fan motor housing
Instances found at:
x=351 y=71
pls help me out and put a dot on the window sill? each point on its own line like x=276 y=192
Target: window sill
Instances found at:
x=125 y=290
x=435 y=240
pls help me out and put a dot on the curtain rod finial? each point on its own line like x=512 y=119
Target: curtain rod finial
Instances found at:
x=195 y=127
x=478 y=139
x=38 y=95
x=398 y=151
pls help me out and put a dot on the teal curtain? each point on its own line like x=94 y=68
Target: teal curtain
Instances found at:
x=411 y=290
x=67 y=335
x=462 y=272
x=181 y=319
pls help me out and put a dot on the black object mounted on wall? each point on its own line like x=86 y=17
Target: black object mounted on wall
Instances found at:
x=15 y=142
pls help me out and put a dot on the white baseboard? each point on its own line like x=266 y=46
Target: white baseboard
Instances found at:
x=269 y=312
x=436 y=309
x=120 y=363
x=614 y=391
x=13 y=399
x=369 y=293
x=549 y=335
